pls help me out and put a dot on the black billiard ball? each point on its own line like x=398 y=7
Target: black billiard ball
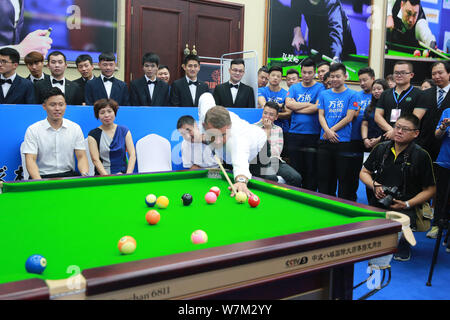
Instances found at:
x=187 y=199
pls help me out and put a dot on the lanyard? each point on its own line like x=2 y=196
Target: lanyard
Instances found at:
x=395 y=96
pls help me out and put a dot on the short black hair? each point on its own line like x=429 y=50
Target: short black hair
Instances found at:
x=413 y=2
x=54 y=91
x=409 y=64
x=107 y=56
x=293 y=71
x=163 y=66
x=273 y=105
x=191 y=57
x=411 y=118
x=237 y=61
x=367 y=70
x=308 y=62
x=82 y=58
x=326 y=76
x=13 y=54
x=185 y=120
x=150 y=57
x=323 y=63
x=445 y=63
x=276 y=68
x=263 y=69
x=56 y=53
x=430 y=81
x=338 y=66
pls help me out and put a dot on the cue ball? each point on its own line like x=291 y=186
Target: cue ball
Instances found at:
x=241 y=197
x=211 y=197
x=187 y=199
x=253 y=201
x=216 y=190
x=162 y=202
x=417 y=53
x=127 y=245
x=150 y=200
x=199 y=236
x=152 y=217
x=36 y=264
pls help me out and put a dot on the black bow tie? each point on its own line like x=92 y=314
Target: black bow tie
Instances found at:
x=61 y=82
x=234 y=86
x=194 y=83
x=149 y=82
x=3 y=81
x=108 y=79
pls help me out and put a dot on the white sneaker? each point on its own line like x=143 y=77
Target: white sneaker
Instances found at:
x=433 y=232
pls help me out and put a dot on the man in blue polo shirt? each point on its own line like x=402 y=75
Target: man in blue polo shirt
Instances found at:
x=337 y=108
x=305 y=128
x=364 y=97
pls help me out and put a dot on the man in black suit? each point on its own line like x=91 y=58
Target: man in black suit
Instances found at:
x=85 y=67
x=149 y=90
x=234 y=93
x=35 y=63
x=107 y=86
x=430 y=107
x=13 y=88
x=57 y=65
x=186 y=91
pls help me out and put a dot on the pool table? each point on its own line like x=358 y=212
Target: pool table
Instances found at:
x=295 y=244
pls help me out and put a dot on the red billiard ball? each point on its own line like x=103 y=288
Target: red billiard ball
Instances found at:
x=253 y=201
x=216 y=190
x=417 y=53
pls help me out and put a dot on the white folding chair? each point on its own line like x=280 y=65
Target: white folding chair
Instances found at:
x=26 y=175
x=153 y=154
x=88 y=154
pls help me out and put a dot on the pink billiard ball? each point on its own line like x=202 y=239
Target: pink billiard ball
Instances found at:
x=199 y=236
x=253 y=201
x=210 y=197
x=216 y=190
x=417 y=53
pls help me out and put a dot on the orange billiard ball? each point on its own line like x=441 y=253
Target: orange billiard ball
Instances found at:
x=152 y=217
x=127 y=245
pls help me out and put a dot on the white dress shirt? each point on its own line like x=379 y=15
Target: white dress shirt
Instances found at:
x=54 y=148
x=192 y=88
x=151 y=87
x=6 y=86
x=244 y=140
x=234 y=91
x=33 y=78
x=57 y=85
x=108 y=85
x=17 y=8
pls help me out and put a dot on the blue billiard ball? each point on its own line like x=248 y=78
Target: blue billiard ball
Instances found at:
x=150 y=200
x=36 y=264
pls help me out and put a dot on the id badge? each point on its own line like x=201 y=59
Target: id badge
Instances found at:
x=395 y=114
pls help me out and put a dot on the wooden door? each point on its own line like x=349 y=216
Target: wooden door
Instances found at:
x=166 y=26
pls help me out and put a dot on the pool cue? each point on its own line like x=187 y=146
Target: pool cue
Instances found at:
x=434 y=51
x=225 y=174
x=326 y=58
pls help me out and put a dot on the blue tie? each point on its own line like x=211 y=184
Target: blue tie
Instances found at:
x=440 y=98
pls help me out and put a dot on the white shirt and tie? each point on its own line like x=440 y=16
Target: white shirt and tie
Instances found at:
x=33 y=79
x=151 y=86
x=58 y=84
x=192 y=88
x=6 y=86
x=107 y=84
x=234 y=90
x=441 y=93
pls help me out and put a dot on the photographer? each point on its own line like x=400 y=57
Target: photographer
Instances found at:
x=400 y=173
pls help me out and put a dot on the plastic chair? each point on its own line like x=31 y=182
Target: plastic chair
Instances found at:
x=153 y=154
x=26 y=175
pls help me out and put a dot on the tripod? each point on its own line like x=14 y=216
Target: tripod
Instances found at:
x=442 y=224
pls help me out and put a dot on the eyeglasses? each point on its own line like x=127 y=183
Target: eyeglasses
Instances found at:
x=406 y=129
x=4 y=62
x=401 y=73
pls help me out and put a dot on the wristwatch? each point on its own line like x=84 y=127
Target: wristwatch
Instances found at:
x=241 y=179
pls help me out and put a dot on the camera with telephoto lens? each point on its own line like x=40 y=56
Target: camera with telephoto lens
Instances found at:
x=391 y=194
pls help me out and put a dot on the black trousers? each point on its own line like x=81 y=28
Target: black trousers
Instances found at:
x=333 y=161
x=441 y=208
x=61 y=175
x=356 y=157
x=302 y=150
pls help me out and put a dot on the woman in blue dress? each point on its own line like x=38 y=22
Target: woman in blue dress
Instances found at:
x=109 y=143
